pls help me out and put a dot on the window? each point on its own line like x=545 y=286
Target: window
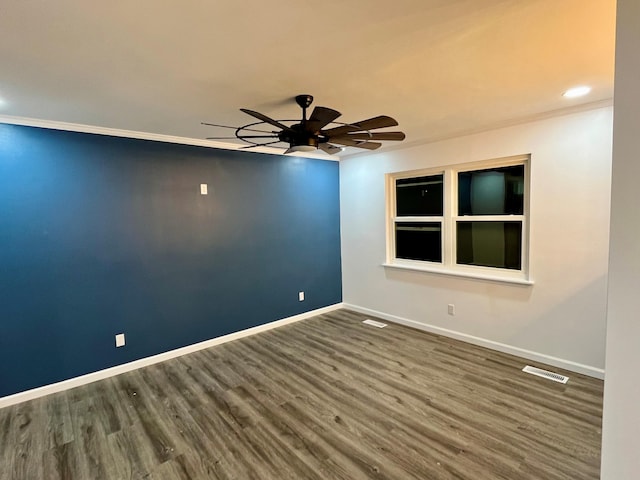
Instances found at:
x=466 y=220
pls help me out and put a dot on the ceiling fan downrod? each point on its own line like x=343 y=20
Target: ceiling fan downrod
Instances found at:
x=304 y=101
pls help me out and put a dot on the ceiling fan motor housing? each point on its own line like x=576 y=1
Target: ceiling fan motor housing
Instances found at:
x=298 y=135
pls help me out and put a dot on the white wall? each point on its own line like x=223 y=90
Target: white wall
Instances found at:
x=621 y=430
x=563 y=314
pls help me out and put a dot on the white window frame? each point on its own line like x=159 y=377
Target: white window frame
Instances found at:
x=448 y=266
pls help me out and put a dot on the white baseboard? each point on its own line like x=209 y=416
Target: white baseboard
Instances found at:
x=161 y=357
x=483 y=342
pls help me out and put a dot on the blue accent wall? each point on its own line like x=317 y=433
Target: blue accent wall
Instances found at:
x=101 y=235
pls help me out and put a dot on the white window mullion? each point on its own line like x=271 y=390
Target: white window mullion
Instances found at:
x=489 y=218
x=416 y=219
x=450 y=207
x=524 y=254
x=390 y=188
x=526 y=238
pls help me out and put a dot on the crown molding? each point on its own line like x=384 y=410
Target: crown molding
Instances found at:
x=154 y=137
x=608 y=102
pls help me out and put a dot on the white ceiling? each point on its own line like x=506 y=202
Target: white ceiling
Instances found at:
x=440 y=67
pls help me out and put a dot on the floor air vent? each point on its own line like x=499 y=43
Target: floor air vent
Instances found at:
x=374 y=323
x=545 y=374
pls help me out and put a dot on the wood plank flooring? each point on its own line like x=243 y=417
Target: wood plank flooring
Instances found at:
x=325 y=398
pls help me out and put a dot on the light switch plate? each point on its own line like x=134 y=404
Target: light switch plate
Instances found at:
x=120 y=340
x=203 y=189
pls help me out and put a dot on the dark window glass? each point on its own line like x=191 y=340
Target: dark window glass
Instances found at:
x=496 y=191
x=419 y=241
x=419 y=196
x=490 y=244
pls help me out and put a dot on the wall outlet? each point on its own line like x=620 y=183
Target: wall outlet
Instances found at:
x=120 y=340
x=203 y=189
x=451 y=309
x=301 y=296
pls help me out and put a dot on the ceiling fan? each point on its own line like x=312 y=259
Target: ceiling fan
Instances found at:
x=309 y=134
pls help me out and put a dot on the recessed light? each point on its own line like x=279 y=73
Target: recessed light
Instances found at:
x=577 y=91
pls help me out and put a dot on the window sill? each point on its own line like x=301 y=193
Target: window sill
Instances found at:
x=460 y=273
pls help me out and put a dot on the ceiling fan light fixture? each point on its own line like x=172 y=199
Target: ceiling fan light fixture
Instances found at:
x=575 y=92
x=301 y=148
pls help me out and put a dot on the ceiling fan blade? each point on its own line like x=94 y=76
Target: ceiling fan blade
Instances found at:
x=235 y=128
x=321 y=117
x=242 y=136
x=381 y=121
x=266 y=119
x=328 y=148
x=346 y=141
x=259 y=145
x=368 y=145
x=292 y=149
x=397 y=136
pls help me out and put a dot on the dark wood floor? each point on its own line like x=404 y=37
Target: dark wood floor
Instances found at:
x=325 y=398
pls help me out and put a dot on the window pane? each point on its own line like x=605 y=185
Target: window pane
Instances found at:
x=496 y=191
x=419 y=196
x=490 y=244
x=419 y=241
